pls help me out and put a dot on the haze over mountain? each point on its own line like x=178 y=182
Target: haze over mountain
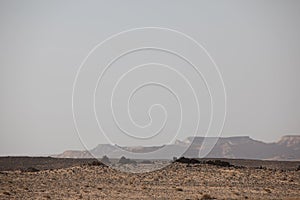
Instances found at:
x=242 y=147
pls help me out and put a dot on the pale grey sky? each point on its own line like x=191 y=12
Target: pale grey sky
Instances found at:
x=255 y=44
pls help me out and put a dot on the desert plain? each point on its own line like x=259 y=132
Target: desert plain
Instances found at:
x=87 y=179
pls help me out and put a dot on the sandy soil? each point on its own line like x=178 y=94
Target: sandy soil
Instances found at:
x=177 y=181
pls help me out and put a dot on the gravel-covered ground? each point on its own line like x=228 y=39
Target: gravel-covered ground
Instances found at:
x=176 y=181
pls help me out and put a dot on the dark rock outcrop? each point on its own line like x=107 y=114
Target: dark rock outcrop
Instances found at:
x=124 y=160
x=105 y=160
x=218 y=163
x=187 y=160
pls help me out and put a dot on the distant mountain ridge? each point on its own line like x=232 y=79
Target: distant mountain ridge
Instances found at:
x=240 y=147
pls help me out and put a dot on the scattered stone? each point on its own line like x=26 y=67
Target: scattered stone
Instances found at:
x=261 y=167
x=268 y=190
x=207 y=197
x=6 y=193
x=47 y=197
x=95 y=163
x=30 y=169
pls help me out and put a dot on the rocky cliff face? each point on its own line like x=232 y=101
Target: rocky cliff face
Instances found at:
x=288 y=148
x=290 y=141
x=244 y=147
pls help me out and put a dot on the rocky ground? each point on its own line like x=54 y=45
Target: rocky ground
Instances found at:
x=176 y=181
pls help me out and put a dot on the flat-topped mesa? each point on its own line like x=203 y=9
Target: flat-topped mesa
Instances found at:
x=243 y=147
x=199 y=140
x=73 y=154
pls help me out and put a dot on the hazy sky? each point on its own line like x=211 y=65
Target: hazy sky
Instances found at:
x=255 y=44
